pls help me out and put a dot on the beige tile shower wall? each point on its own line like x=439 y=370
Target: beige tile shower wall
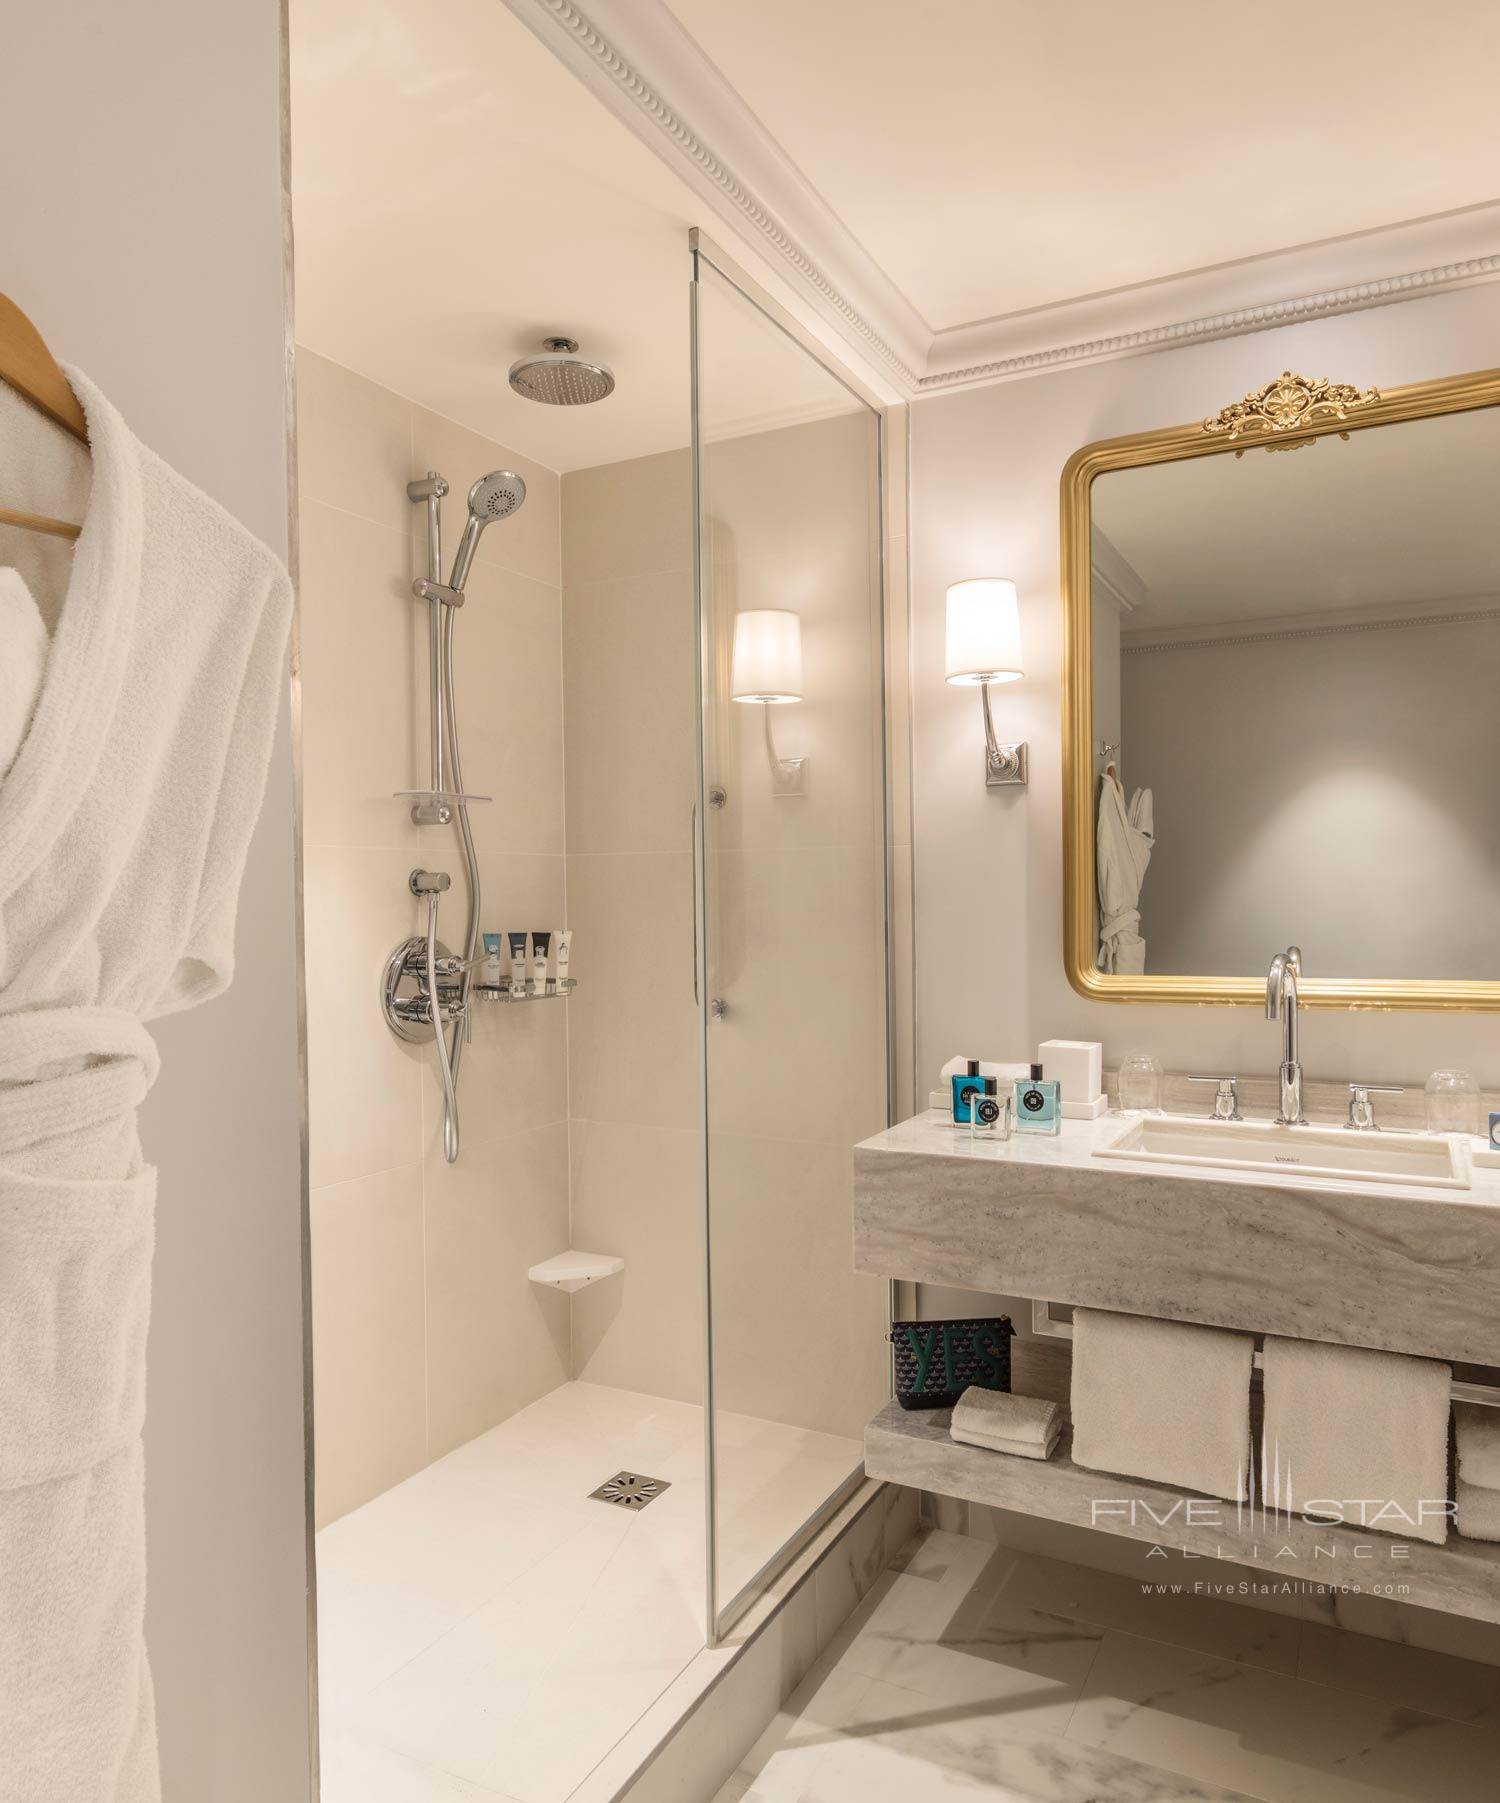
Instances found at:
x=631 y=731
x=798 y=1069
x=426 y=1330
x=797 y=921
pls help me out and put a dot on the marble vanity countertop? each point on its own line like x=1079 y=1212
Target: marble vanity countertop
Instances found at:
x=1406 y=1267
x=932 y=1134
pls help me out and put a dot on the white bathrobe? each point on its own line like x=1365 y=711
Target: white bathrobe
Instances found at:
x=1122 y=852
x=125 y=815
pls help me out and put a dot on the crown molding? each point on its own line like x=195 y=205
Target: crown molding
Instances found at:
x=1114 y=575
x=644 y=66
x=641 y=62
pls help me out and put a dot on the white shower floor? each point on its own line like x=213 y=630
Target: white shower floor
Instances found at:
x=487 y=1631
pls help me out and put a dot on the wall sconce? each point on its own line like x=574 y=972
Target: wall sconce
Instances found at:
x=984 y=646
x=767 y=667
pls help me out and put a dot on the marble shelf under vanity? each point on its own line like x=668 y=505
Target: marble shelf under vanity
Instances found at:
x=1407 y=1268
x=914 y=1447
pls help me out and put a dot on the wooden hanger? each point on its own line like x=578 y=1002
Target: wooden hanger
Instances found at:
x=27 y=366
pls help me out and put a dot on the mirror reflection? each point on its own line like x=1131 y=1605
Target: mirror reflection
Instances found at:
x=1296 y=706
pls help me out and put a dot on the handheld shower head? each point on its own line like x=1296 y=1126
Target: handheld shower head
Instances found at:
x=493 y=497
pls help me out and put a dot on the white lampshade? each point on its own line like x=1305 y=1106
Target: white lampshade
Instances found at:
x=984 y=631
x=767 y=655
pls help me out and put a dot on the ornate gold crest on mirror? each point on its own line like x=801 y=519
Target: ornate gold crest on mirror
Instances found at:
x=1287 y=405
x=1294 y=665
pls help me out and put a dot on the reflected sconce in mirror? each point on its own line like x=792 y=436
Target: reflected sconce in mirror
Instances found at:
x=984 y=646
x=767 y=668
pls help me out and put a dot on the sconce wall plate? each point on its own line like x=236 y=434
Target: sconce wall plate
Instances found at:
x=1005 y=767
x=789 y=776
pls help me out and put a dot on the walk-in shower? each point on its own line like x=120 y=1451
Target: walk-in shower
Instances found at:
x=426 y=991
x=583 y=1392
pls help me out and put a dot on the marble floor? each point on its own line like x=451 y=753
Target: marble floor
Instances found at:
x=971 y=1671
x=486 y=1631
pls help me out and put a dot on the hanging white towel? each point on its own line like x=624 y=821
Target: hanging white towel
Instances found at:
x=125 y=818
x=1123 y=847
x=1356 y=1435
x=1162 y=1400
x=1477 y=1431
x=1478 y=1511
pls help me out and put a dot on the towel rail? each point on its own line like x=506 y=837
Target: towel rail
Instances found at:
x=1487 y=1396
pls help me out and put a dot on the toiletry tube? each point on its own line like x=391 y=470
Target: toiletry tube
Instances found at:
x=517 y=965
x=541 y=944
x=489 y=971
x=564 y=954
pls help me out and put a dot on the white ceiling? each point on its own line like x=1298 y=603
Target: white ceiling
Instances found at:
x=1395 y=518
x=457 y=196
x=994 y=156
x=953 y=194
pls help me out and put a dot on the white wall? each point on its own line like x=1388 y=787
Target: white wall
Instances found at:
x=985 y=470
x=144 y=236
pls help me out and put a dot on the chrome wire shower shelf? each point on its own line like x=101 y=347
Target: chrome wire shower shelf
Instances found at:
x=556 y=986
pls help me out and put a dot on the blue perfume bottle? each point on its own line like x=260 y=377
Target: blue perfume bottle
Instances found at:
x=966 y=1085
x=1038 y=1104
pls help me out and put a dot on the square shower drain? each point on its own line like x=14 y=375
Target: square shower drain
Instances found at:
x=630 y=1490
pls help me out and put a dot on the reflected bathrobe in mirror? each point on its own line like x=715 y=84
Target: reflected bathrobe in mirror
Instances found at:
x=128 y=792
x=1122 y=852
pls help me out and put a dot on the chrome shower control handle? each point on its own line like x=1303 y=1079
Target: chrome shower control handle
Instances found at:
x=1362 y=1109
x=1226 y=1097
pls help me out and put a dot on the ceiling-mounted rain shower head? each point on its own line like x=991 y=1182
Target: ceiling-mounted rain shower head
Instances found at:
x=493 y=497
x=558 y=376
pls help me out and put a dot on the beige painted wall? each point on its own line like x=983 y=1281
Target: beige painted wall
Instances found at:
x=184 y=327
x=985 y=470
x=426 y=1330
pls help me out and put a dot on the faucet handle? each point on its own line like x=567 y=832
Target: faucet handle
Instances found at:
x=1362 y=1109
x=1226 y=1098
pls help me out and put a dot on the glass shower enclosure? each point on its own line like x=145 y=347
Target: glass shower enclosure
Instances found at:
x=792 y=861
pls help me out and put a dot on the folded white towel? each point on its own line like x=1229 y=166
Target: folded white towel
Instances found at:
x=1017 y=1449
x=1162 y=1400
x=1478 y=1509
x=1357 y=1436
x=997 y=1414
x=1478 y=1432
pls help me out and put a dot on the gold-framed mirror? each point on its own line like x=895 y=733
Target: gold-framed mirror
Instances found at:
x=1281 y=700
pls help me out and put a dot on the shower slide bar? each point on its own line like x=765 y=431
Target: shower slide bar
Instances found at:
x=427 y=990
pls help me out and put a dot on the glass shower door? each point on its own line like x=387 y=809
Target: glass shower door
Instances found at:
x=793 y=921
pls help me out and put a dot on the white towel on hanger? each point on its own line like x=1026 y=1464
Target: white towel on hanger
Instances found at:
x=125 y=817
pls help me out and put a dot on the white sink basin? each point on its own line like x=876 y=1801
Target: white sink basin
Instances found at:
x=1309 y=1151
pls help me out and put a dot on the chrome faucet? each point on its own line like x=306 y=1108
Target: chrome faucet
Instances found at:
x=1281 y=1004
